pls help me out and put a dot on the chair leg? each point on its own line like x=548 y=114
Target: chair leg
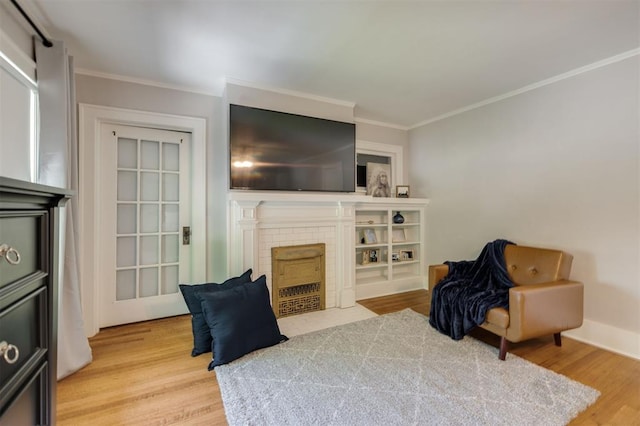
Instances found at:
x=557 y=339
x=504 y=346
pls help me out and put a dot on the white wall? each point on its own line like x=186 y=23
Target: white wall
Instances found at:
x=554 y=167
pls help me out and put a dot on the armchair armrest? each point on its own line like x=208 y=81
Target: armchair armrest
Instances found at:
x=545 y=308
x=436 y=274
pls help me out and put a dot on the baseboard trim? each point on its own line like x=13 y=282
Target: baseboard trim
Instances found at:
x=620 y=341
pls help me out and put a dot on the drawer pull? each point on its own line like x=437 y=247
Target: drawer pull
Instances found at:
x=9 y=253
x=6 y=350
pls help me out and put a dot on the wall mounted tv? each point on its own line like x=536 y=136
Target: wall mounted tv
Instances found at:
x=272 y=150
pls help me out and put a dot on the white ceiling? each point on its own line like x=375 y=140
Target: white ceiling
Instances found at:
x=400 y=62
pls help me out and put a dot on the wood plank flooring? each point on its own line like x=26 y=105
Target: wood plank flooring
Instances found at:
x=143 y=374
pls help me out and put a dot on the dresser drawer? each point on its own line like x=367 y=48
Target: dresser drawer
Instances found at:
x=25 y=234
x=29 y=405
x=23 y=325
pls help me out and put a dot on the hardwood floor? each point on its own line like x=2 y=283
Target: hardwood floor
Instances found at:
x=143 y=374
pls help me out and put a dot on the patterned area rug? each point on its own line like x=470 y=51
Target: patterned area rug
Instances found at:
x=394 y=369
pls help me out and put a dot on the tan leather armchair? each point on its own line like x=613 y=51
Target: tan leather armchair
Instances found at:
x=543 y=300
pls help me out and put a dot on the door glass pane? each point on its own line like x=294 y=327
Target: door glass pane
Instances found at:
x=126 y=284
x=150 y=186
x=150 y=155
x=149 y=250
x=148 y=282
x=170 y=156
x=170 y=219
x=149 y=218
x=127 y=186
x=127 y=153
x=169 y=248
x=127 y=218
x=126 y=251
x=169 y=279
x=169 y=187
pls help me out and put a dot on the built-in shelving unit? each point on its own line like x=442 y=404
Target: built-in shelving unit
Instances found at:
x=388 y=255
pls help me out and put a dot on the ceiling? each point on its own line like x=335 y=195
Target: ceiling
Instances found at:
x=399 y=62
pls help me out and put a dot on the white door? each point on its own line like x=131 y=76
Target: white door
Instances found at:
x=145 y=220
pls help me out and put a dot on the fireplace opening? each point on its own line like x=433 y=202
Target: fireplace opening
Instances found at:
x=297 y=279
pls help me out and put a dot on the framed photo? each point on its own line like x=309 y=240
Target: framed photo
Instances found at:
x=402 y=191
x=406 y=255
x=373 y=256
x=395 y=257
x=370 y=236
x=379 y=180
x=366 y=255
x=397 y=236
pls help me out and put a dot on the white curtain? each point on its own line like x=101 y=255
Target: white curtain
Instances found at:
x=58 y=166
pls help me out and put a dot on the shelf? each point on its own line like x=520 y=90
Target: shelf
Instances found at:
x=371 y=246
x=371 y=225
x=405 y=262
x=372 y=265
x=389 y=277
x=405 y=243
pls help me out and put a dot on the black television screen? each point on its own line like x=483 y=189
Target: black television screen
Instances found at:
x=272 y=150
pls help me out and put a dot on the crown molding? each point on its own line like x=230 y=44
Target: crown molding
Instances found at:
x=380 y=123
x=145 y=82
x=252 y=85
x=581 y=70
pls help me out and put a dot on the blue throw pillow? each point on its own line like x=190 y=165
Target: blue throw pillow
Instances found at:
x=201 y=332
x=241 y=320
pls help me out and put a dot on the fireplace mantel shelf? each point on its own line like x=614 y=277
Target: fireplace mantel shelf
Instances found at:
x=318 y=197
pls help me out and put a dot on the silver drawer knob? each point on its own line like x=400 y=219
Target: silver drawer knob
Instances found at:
x=9 y=352
x=9 y=253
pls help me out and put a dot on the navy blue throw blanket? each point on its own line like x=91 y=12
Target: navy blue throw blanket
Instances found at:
x=461 y=301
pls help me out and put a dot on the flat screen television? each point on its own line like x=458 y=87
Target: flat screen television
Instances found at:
x=272 y=150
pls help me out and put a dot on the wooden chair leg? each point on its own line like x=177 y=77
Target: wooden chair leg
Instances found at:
x=504 y=346
x=557 y=339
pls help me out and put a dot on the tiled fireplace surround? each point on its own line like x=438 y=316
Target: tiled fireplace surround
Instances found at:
x=259 y=221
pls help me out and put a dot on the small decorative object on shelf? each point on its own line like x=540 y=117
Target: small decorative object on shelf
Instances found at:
x=402 y=191
x=406 y=254
x=398 y=218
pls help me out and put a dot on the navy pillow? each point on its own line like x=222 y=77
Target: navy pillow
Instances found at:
x=241 y=320
x=201 y=332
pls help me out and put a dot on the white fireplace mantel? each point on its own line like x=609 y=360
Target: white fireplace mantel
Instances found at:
x=259 y=220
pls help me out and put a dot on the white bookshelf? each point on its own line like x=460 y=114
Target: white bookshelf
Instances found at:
x=389 y=257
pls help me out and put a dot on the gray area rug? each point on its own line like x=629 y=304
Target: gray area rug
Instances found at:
x=394 y=369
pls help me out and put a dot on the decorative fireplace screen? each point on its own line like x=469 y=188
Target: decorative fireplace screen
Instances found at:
x=298 y=279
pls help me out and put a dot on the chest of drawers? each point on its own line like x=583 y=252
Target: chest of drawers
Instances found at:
x=29 y=238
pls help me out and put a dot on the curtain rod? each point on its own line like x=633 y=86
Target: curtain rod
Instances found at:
x=45 y=40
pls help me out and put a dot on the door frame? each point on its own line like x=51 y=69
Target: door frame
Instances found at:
x=90 y=119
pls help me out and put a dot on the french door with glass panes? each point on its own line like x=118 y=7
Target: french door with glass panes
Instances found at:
x=145 y=223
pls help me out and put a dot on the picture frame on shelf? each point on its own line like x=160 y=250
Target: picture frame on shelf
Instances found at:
x=369 y=236
x=366 y=255
x=402 y=191
x=379 y=180
x=374 y=256
x=397 y=236
x=406 y=255
x=395 y=257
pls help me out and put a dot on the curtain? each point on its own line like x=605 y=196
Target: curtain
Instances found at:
x=58 y=166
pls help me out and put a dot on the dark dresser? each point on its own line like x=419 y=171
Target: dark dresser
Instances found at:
x=29 y=255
